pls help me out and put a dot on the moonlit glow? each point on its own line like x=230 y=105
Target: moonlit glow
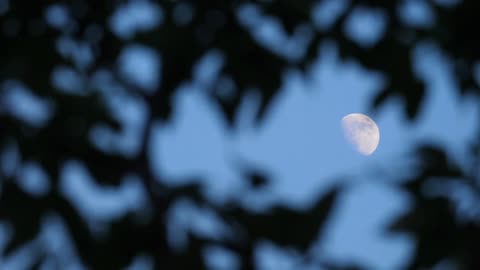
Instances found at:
x=362 y=132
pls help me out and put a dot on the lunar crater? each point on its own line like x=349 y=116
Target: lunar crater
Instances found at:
x=361 y=132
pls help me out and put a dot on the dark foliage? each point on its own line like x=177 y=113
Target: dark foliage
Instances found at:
x=29 y=55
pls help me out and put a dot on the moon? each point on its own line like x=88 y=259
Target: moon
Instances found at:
x=361 y=132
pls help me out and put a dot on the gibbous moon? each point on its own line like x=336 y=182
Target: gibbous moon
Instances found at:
x=362 y=132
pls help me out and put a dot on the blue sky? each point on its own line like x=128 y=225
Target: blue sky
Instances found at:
x=299 y=143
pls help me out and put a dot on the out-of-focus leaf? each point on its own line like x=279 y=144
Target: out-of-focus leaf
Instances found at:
x=257 y=180
x=288 y=227
x=434 y=162
x=432 y=223
x=23 y=212
x=30 y=50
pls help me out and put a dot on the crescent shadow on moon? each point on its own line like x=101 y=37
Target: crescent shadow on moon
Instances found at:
x=361 y=132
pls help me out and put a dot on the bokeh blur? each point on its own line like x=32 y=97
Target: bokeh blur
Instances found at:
x=184 y=134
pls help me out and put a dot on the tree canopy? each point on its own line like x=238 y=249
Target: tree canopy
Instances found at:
x=65 y=55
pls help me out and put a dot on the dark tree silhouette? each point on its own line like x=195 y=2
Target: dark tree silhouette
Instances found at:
x=33 y=50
